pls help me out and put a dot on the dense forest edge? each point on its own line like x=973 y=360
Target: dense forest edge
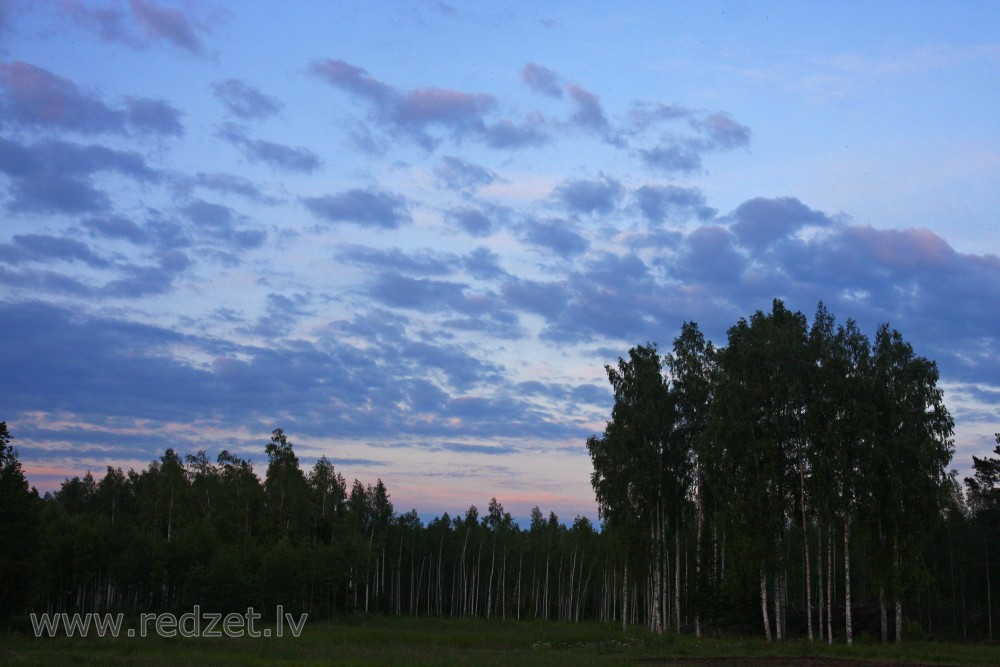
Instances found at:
x=793 y=483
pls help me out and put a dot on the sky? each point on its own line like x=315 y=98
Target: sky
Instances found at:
x=411 y=234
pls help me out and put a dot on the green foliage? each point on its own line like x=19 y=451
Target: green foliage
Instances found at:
x=715 y=462
x=19 y=529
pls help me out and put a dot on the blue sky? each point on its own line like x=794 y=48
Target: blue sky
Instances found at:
x=412 y=234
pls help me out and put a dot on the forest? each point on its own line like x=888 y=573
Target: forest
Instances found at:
x=793 y=483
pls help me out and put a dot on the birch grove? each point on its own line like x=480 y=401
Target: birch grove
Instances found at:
x=791 y=483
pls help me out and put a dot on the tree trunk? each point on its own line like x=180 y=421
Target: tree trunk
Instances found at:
x=989 y=594
x=656 y=623
x=778 y=625
x=545 y=597
x=520 y=558
x=882 y=614
x=763 y=604
x=624 y=598
x=897 y=570
x=677 y=578
x=697 y=564
x=805 y=546
x=829 y=584
x=848 y=630
x=821 y=606
x=489 y=585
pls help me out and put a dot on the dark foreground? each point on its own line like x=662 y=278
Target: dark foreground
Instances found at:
x=454 y=642
x=777 y=661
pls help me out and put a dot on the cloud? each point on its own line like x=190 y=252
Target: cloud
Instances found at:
x=116 y=227
x=680 y=150
x=427 y=115
x=159 y=234
x=483 y=264
x=462 y=176
x=111 y=371
x=468 y=310
x=659 y=203
x=219 y=222
x=506 y=134
x=590 y=196
x=43 y=281
x=722 y=132
x=142 y=24
x=36 y=98
x=146 y=280
x=454 y=109
x=555 y=235
x=368 y=208
x=154 y=116
x=47 y=248
x=394 y=289
x=589 y=112
x=130 y=280
x=281 y=314
x=227 y=184
x=167 y=25
x=420 y=263
x=490 y=450
x=673 y=156
x=56 y=176
x=541 y=80
x=759 y=222
x=477 y=221
x=709 y=256
x=108 y=22
x=354 y=79
x=610 y=297
x=94 y=366
x=245 y=101
x=645 y=115
x=547 y=299
x=270 y=153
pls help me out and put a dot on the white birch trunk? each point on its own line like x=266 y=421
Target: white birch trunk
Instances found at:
x=677 y=578
x=489 y=585
x=625 y=599
x=829 y=585
x=697 y=562
x=848 y=629
x=820 y=606
x=664 y=572
x=763 y=604
x=805 y=547
x=656 y=623
x=778 y=635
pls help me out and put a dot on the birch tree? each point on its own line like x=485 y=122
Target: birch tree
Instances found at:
x=906 y=478
x=631 y=477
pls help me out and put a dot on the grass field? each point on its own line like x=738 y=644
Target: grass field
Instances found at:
x=408 y=641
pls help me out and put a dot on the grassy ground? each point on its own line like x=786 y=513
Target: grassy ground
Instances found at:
x=407 y=641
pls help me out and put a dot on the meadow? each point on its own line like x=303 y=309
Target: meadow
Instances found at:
x=451 y=642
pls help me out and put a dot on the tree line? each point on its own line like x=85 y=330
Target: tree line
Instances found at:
x=801 y=469
x=192 y=530
x=793 y=482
